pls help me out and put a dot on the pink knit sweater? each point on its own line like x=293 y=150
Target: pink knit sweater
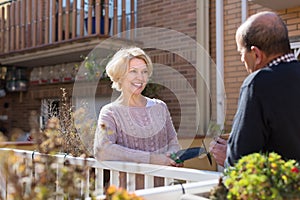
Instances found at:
x=132 y=133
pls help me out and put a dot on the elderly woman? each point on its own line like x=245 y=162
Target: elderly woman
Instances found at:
x=134 y=128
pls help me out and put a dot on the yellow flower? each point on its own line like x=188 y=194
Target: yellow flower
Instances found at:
x=22 y=168
x=112 y=189
x=12 y=159
x=273 y=171
x=114 y=193
x=284 y=178
x=250 y=166
x=273 y=165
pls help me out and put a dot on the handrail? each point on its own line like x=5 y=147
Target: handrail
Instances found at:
x=169 y=174
x=5 y=2
x=178 y=191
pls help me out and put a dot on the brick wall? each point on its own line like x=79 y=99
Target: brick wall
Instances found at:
x=173 y=14
x=234 y=71
x=179 y=16
x=21 y=104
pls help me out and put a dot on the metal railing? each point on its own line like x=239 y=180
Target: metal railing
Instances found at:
x=191 y=180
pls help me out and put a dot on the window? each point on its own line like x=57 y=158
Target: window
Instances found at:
x=49 y=108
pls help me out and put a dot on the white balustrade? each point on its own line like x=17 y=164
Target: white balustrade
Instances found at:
x=192 y=181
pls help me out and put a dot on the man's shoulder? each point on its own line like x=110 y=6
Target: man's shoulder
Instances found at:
x=251 y=78
x=270 y=76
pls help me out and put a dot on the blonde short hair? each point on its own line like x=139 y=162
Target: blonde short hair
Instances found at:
x=118 y=65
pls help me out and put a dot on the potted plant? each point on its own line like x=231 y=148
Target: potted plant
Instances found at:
x=260 y=176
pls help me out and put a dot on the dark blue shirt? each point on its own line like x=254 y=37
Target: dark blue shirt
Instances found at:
x=268 y=114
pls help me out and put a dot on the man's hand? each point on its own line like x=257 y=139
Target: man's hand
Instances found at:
x=217 y=148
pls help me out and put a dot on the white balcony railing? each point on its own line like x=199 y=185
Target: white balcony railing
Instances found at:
x=192 y=181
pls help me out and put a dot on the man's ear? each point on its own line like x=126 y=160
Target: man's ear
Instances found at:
x=258 y=55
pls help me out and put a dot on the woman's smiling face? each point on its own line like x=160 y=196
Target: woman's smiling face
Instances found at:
x=136 y=77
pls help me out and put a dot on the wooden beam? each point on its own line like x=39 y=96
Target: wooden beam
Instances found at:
x=115 y=23
x=23 y=25
x=2 y=31
x=18 y=28
x=47 y=22
x=29 y=25
x=74 y=19
x=12 y=26
x=67 y=20
x=82 y=18
x=34 y=23
x=40 y=21
x=60 y=22
x=54 y=19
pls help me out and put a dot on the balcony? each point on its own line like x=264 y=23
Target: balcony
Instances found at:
x=48 y=32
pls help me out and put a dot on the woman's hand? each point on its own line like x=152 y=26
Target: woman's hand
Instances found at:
x=218 y=149
x=173 y=163
x=163 y=159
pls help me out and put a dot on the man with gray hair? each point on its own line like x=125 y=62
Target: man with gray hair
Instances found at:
x=267 y=118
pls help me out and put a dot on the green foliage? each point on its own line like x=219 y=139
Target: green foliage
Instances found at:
x=95 y=67
x=263 y=176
